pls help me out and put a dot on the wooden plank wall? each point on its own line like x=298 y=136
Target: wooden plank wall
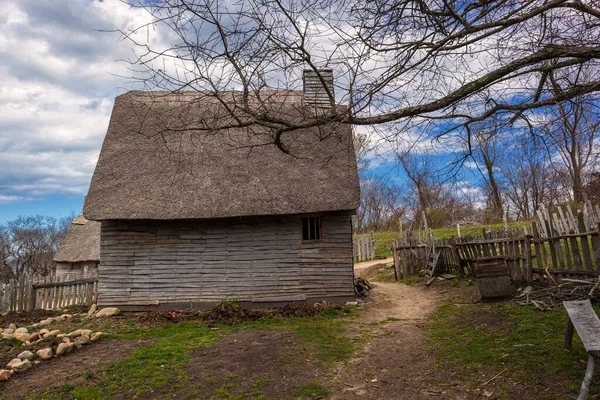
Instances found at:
x=146 y=263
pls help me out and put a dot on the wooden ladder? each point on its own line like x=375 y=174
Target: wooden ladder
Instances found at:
x=432 y=263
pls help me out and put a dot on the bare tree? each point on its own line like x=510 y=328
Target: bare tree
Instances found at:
x=486 y=153
x=408 y=62
x=442 y=201
x=573 y=130
x=380 y=205
x=530 y=179
x=29 y=244
x=592 y=189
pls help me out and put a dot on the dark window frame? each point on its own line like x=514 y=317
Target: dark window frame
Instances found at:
x=312 y=228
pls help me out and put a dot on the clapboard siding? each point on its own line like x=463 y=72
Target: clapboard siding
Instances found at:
x=248 y=259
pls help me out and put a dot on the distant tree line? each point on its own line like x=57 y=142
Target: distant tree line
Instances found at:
x=28 y=245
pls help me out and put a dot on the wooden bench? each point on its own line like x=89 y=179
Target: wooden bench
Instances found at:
x=583 y=318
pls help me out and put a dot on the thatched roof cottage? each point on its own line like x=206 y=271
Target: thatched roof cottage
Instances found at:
x=80 y=250
x=191 y=217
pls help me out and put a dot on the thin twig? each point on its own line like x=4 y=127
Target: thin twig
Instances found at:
x=494 y=377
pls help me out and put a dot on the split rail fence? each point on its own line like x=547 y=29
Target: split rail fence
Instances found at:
x=364 y=247
x=560 y=244
x=29 y=293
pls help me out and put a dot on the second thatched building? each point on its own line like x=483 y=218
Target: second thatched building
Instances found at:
x=79 y=253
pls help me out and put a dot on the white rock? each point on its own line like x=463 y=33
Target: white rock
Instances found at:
x=12 y=326
x=23 y=337
x=26 y=355
x=75 y=334
x=12 y=362
x=9 y=330
x=44 y=331
x=7 y=336
x=5 y=375
x=96 y=336
x=52 y=333
x=62 y=349
x=67 y=316
x=86 y=332
x=92 y=310
x=22 y=366
x=45 y=354
x=107 y=312
x=82 y=340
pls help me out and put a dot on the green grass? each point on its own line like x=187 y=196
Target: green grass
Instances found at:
x=312 y=390
x=153 y=367
x=522 y=342
x=160 y=366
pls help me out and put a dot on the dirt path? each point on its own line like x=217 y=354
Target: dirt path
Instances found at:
x=394 y=363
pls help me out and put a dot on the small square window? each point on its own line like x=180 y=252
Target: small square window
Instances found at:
x=311 y=228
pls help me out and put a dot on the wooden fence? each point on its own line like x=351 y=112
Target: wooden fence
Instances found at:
x=29 y=293
x=363 y=248
x=558 y=245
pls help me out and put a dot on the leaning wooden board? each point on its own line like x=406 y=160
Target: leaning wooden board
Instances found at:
x=583 y=318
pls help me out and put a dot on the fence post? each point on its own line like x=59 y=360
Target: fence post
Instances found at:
x=395 y=256
x=528 y=259
x=31 y=292
x=372 y=246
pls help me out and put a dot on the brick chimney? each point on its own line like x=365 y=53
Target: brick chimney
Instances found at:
x=315 y=93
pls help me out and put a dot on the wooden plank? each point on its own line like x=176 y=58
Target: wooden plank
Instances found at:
x=397 y=275
x=585 y=247
x=595 y=239
x=66 y=283
x=586 y=323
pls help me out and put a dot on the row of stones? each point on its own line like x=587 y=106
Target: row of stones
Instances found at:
x=72 y=341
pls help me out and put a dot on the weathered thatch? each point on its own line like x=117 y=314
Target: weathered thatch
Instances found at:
x=82 y=242
x=155 y=165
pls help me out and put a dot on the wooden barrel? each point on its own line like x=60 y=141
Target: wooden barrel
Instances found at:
x=493 y=278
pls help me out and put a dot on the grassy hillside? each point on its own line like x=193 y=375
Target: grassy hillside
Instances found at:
x=383 y=240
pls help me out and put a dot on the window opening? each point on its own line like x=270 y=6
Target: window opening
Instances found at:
x=311 y=228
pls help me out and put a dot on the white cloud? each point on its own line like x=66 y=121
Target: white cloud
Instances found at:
x=60 y=74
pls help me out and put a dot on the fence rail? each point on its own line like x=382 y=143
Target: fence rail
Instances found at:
x=29 y=293
x=558 y=244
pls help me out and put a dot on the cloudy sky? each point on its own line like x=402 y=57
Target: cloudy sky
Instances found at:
x=60 y=73
x=61 y=69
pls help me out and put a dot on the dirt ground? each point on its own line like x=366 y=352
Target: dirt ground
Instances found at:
x=70 y=368
x=395 y=363
x=274 y=362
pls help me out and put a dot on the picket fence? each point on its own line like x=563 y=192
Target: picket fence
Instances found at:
x=364 y=247
x=28 y=293
x=557 y=244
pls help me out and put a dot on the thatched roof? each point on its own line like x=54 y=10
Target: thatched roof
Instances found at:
x=154 y=165
x=82 y=242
